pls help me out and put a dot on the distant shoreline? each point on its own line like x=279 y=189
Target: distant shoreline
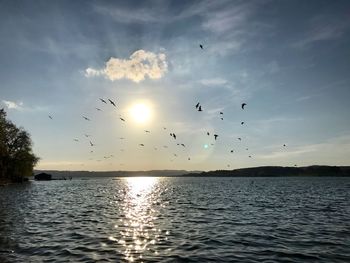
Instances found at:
x=263 y=171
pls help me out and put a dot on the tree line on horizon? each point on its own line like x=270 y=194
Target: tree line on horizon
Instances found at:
x=16 y=156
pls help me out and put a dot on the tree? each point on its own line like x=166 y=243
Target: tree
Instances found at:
x=16 y=157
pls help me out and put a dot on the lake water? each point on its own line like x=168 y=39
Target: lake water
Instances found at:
x=177 y=220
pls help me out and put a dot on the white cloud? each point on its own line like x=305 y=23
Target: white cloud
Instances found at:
x=213 y=82
x=13 y=105
x=141 y=64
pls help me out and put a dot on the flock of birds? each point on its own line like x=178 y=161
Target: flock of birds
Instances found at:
x=198 y=107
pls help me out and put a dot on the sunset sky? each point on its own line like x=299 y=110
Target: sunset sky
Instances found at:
x=288 y=60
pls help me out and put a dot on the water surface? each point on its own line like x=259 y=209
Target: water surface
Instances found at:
x=177 y=220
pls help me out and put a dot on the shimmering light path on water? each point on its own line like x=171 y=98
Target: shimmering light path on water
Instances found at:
x=176 y=220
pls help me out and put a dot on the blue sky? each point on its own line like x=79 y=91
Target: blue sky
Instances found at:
x=288 y=60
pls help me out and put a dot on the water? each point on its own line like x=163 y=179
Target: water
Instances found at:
x=177 y=220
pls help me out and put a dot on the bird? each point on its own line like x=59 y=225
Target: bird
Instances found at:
x=242 y=122
x=200 y=108
x=164 y=128
x=98 y=109
x=221 y=113
x=285 y=145
x=91 y=144
x=175 y=154
x=121 y=119
x=222 y=119
x=147 y=131
x=87 y=135
x=76 y=140
x=141 y=144
x=208 y=133
x=112 y=102
x=246 y=149
x=173 y=135
x=183 y=145
x=91 y=151
x=121 y=138
x=189 y=158
x=201 y=46
x=197 y=105
x=250 y=156
x=103 y=101
x=239 y=138
x=86 y=118
x=50 y=117
x=228 y=165
x=243 y=104
x=215 y=136
x=231 y=151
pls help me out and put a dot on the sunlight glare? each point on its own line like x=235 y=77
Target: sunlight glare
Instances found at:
x=140 y=112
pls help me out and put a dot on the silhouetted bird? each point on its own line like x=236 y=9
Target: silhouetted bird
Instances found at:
x=239 y=139
x=175 y=154
x=221 y=113
x=98 y=109
x=174 y=136
x=243 y=105
x=112 y=102
x=215 y=136
x=164 y=128
x=76 y=140
x=250 y=156
x=189 y=158
x=242 y=122
x=121 y=138
x=246 y=149
x=141 y=144
x=50 y=117
x=91 y=144
x=183 y=145
x=197 y=105
x=147 y=131
x=200 y=108
x=201 y=46
x=86 y=118
x=103 y=101
x=121 y=119
x=222 y=119
x=231 y=151
x=208 y=133
x=285 y=145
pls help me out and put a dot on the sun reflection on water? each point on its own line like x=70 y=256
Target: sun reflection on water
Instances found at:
x=137 y=231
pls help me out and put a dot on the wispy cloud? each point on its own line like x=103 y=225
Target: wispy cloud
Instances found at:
x=141 y=64
x=322 y=28
x=213 y=82
x=13 y=105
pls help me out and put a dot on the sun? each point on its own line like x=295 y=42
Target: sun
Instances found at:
x=140 y=112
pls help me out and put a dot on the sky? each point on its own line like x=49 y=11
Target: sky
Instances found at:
x=288 y=61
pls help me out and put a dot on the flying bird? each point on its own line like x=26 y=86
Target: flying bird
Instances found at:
x=222 y=119
x=215 y=136
x=76 y=140
x=164 y=128
x=183 y=145
x=50 y=117
x=147 y=131
x=239 y=138
x=121 y=119
x=221 y=113
x=250 y=156
x=87 y=135
x=86 y=118
x=141 y=144
x=231 y=151
x=112 y=102
x=103 y=101
x=189 y=158
x=197 y=105
x=200 y=108
x=98 y=109
x=243 y=105
x=242 y=122
x=201 y=46
x=284 y=145
x=208 y=133
x=91 y=144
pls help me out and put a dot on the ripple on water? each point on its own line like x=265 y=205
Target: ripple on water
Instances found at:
x=177 y=220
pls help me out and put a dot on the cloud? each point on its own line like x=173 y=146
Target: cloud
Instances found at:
x=13 y=105
x=141 y=64
x=213 y=82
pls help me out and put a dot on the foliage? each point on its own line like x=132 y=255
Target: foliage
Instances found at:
x=16 y=157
